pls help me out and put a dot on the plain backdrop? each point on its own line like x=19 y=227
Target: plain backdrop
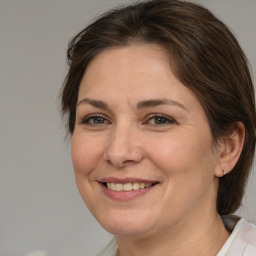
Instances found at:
x=40 y=207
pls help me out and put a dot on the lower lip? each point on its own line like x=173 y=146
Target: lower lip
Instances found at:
x=124 y=196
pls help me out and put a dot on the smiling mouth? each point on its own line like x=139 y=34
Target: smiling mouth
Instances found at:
x=129 y=186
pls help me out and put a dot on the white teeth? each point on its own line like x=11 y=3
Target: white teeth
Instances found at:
x=113 y=186
x=142 y=185
x=127 y=186
x=135 y=186
x=119 y=187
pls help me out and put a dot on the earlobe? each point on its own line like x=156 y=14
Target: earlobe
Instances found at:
x=230 y=150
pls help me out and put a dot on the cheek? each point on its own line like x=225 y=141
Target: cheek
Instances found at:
x=169 y=150
x=85 y=157
x=86 y=153
x=188 y=166
x=183 y=153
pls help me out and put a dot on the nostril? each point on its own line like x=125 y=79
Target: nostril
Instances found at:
x=120 y=164
x=128 y=162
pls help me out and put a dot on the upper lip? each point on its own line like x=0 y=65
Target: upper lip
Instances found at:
x=126 y=180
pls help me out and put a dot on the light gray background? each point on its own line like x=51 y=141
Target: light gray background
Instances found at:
x=40 y=207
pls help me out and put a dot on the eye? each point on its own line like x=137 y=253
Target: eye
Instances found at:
x=159 y=119
x=95 y=120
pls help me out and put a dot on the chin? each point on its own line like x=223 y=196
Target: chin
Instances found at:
x=132 y=231
x=127 y=225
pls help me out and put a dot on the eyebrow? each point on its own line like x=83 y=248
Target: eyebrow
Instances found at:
x=157 y=102
x=95 y=103
x=142 y=104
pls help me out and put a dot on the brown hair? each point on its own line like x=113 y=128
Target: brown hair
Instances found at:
x=204 y=56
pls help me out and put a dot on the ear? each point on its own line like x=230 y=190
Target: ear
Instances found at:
x=230 y=150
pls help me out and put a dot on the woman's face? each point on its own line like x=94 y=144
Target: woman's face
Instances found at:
x=142 y=148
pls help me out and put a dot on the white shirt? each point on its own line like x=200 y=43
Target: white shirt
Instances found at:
x=241 y=242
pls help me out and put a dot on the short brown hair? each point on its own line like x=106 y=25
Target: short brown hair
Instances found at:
x=204 y=56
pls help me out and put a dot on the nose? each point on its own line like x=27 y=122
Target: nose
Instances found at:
x=123 y=147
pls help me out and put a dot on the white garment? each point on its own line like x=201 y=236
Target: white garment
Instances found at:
x=110 y=249
x=241 y=242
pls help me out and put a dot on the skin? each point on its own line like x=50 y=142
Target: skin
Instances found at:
x=117 y=136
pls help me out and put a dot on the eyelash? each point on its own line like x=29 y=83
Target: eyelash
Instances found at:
x=167 y=120
x=87 y=119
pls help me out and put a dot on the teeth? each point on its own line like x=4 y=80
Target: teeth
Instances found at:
x=127 y=186
x=113 y=186
x=142 y=185
x=119 y=187
x=136 y=186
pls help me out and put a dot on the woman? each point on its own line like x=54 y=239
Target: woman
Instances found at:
x=161 y=109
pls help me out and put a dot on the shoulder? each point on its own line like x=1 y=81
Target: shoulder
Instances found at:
x=244 y=242
x=248 y=236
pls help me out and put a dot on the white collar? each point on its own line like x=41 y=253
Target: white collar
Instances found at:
x=232 y=237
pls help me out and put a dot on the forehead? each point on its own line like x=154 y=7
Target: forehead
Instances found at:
x=137 y=64
x=123 y=54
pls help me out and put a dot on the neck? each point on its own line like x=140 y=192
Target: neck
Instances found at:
x=203 y=235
